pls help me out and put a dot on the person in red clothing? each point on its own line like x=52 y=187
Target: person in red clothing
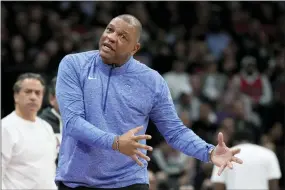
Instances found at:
x=252 y=83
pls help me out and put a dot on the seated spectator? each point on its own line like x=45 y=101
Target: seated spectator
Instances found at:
x=205 y=126
x=178 y=76
x=252 y=83
x=173 y=168
x=241 y=121
x=213 y=83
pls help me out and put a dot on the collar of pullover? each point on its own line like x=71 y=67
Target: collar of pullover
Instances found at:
x=116 y=69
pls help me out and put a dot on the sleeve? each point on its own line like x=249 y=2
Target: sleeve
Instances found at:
x=69 y=95
x=164 y=116
x=274 y=171
x=215 y=178
x=267 y=91
x=8 y=142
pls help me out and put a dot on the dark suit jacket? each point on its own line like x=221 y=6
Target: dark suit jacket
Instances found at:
x=52 y=119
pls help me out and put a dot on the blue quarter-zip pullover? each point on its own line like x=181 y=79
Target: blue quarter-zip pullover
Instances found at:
x=98 y=102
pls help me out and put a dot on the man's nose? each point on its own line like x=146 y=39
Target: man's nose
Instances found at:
x=33 y=96
x=112 y=37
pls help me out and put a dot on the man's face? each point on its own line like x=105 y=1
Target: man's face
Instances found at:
x=118 y=42
x=205 y=110
x=30 y=97
x=238 y=109
x=228 y=125
x=250 y=69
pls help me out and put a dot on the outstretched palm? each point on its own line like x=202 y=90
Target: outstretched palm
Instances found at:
x=222 y=156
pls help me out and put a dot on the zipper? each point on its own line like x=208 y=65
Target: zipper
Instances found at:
x=106 y=94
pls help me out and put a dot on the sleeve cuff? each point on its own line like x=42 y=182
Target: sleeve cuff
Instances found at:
x=210 y=148
x=111 y=140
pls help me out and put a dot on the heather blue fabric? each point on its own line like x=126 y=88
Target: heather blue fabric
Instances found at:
x=98 y=102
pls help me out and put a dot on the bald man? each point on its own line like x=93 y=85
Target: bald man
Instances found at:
x=106 y=99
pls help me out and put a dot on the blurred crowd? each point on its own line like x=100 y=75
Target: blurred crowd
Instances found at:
x=224 y=63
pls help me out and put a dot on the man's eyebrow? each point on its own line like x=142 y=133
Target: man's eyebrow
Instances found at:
x=124 y=31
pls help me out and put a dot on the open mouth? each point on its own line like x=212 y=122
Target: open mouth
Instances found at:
x=108 y=46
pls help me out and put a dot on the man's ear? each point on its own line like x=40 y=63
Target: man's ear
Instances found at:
x=16 y=98
x=136 y=48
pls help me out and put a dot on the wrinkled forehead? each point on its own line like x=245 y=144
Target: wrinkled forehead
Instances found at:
x=122 y=25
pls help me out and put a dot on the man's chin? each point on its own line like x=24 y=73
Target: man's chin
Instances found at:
x=106 y=57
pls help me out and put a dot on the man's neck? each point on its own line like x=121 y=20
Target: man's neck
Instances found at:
x=25 y=115
x=115 y=63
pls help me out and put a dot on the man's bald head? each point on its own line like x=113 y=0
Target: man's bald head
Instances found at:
x=132 y=20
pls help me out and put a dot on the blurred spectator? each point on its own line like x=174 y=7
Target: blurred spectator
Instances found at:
x=178 y=76
x=251 y=83
x=242 y=122
x=152 y=181
x=260 y=169
x=18 y=49
x=214 y=82
x=217 y=39
x=172 y=167
x=228 y=129
x=205 y=126
x=187 y=108
x=198 y=51
x=183 y=108
x=277 y=65
x=228 y=64
x=29 y=145
x=255 y=86
x=51 y=114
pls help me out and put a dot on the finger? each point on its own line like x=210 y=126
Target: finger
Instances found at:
x=235 y=151
x=221 y=139
x=136 y=159
x=222 y=169
x=142 y=146
x=237 y=160
x=140 y=154
x=136 y=130
x=230 y=165
x=141 y=137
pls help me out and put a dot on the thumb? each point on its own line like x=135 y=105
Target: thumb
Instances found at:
x=137 y=129
x=221 y=139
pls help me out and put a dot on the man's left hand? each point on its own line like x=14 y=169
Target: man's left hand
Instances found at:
x=222 y=156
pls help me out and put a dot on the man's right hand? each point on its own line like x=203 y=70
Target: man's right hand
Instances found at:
x=129 y=145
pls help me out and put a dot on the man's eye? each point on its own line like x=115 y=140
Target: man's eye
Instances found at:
x=108 y=29
x=123 y=37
